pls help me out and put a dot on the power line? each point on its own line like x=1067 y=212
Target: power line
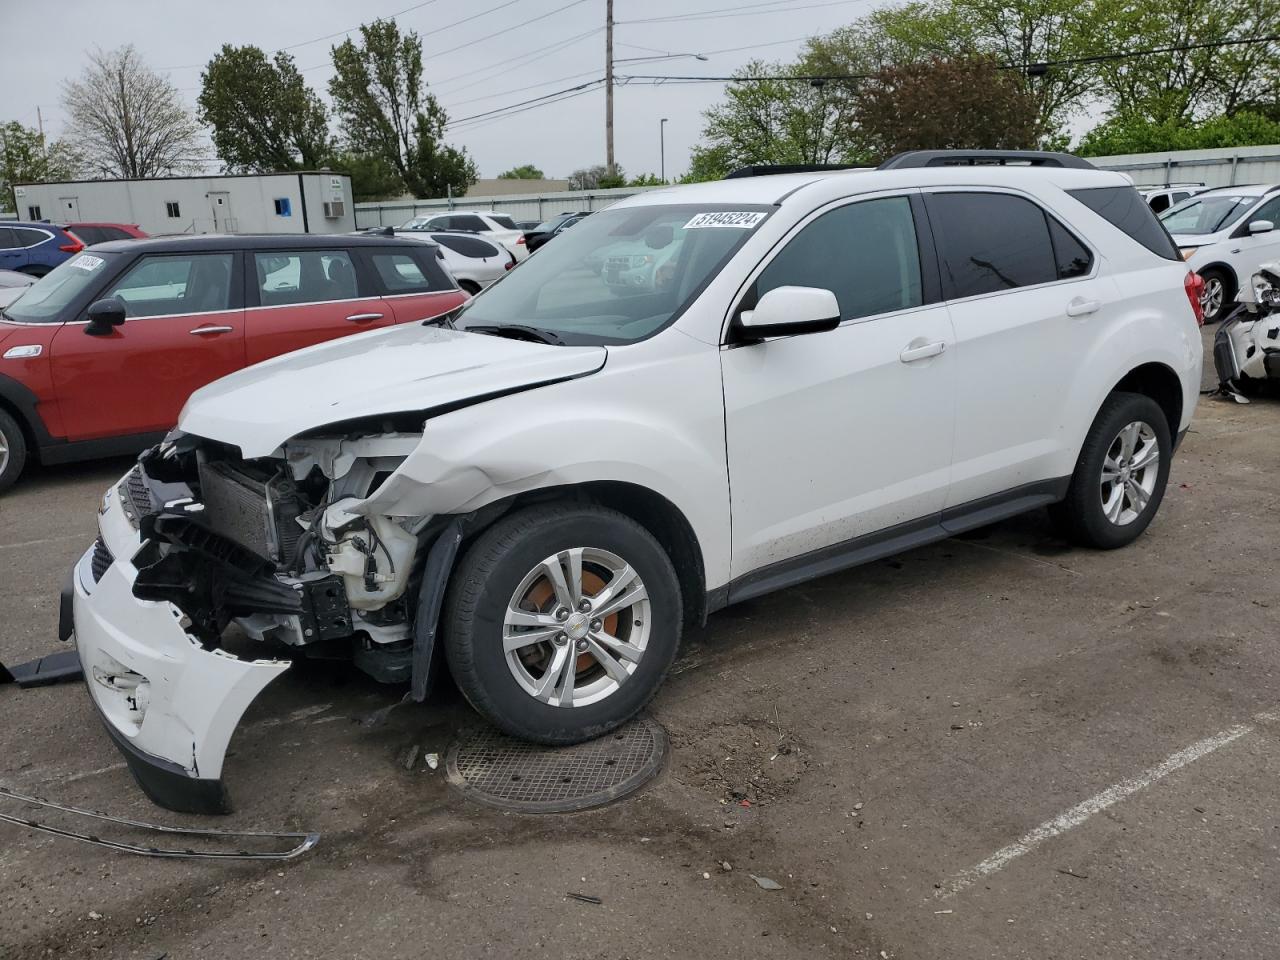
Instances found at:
x=525 y=88
x=523 y=60
x=722 y=12
x=515 y=26
x=522 y=103
x=491 y=120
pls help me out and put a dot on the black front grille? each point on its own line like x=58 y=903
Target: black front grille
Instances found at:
x=101 y=560
x=135 y=497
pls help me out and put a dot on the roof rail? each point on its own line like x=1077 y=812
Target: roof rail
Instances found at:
x=973 y=158
x=769 y=169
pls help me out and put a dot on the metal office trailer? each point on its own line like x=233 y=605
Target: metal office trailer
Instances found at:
x=306 y=202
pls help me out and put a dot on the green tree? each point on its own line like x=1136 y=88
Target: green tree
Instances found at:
x=597 y=178
x=708 y=163
x=1120 y=135
x=768 y=118
x=372 y=178
x=647 y=180
x=524 y=172
x=385 y=110
x=26 y=158
x=263 y=115
x=965 y=103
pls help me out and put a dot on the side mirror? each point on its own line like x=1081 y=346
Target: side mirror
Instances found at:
x=785 y=311
x=104 y=316
x=1261 y=226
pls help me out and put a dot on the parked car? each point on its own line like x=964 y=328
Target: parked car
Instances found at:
x=35 y=247
x=1225 y=235
x=527 y=226
x=548 y=229
x=474 y=262
x=1160 y=199
x=99 y=356
x=545 y=489
x=495 y=226
x=91 y=233
x=13 y=285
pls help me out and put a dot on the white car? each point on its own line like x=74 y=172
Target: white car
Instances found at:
x=494 y=226
x=13 y=285
x=543 y=491
x=1160 y=199
x=1226 y=235
x=473 y=261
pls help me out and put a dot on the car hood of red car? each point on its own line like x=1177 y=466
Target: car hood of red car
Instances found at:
x=406 y=369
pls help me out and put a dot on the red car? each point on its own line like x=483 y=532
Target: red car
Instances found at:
x=91 y=233
x=98 y=357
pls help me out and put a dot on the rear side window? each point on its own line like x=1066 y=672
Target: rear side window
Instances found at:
x=401 y=272
x=467 y=246
x=312 y=276
x=1072 y=257
x=989 y=242
x=467 y=222
x=865 y=253
x=24 y=237
x=91 y=235
x=1124 y=209
x=502 y=220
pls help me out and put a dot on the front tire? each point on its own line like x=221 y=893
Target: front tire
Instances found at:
x=1120 y=476
x=13 y=451
x=561 y=621
x=1219 y=294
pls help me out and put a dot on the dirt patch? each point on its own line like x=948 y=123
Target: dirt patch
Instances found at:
x=746 y=761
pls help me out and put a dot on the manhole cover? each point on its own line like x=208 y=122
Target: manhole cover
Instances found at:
x=498 y=770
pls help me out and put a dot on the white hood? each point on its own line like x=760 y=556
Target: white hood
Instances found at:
x=400 y=369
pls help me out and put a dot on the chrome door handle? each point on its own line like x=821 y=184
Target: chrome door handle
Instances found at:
x=206 y=331
x=363 y=317
x=1080 y=307
x=923 y=352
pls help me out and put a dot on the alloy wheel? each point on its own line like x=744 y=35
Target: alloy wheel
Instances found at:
x=1212 y=298
x=1130 y=471
x=576 y=627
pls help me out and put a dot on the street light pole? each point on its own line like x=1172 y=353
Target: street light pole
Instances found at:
x=662 y=148
x=608 y=87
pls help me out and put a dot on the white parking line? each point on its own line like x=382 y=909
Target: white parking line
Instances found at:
x=37 y=543
x=1083 y=811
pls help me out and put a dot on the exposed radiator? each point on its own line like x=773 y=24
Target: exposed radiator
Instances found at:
x=249 y=511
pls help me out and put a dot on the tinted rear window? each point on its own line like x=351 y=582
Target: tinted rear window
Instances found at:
x=1124 y=209
x=467 y=246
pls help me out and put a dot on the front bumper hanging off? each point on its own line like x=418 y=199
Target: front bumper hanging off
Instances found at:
x=170 y=705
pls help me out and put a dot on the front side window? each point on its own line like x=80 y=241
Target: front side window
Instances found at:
x=620 y=275
x=403 y=273
x=160 y=286
x=1268 y=211
x=865 y=253
x=989 y=242
x=311 y=276
x=47 y=300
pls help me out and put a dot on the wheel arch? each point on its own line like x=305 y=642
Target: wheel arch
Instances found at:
x=1225 y=268
x=20 y=403
x=1160 y=383
x=658 y=515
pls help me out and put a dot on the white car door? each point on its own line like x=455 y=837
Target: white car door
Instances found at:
x=1246 y=251
x=841 y=440
x=1026 y=299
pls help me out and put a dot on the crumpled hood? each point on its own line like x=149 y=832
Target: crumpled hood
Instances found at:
x=400 y=369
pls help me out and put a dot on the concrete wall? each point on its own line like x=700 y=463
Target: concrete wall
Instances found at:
x=532 y=206
x=203 y=204
x=1224 y=167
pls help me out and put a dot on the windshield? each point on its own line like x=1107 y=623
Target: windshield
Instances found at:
x=1202 y=215
x=622 y=276
x=45 y=301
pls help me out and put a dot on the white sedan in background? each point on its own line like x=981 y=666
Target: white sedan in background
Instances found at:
x=13 y=285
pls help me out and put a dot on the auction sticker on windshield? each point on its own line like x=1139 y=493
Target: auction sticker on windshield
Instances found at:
x=87 y=262
x=744 y=220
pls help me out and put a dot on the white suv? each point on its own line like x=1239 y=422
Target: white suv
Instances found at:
x=1225 y=236
x=495 y=226
x=830 y=368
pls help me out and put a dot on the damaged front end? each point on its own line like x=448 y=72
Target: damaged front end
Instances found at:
x=201 y=551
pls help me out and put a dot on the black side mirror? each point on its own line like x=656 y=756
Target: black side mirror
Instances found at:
x=105 y=315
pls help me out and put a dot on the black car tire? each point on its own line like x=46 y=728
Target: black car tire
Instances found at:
x=14 y=442
x=1080 y=517
x=484 y=583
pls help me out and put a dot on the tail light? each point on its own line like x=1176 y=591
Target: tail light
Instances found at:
x=1194 y=285
x=75 y=246
x=521 y=240
x=511 y=263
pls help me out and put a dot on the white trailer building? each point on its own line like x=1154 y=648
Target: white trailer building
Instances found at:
x=306 y=202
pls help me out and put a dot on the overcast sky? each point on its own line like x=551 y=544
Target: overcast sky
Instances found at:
x=472 y=68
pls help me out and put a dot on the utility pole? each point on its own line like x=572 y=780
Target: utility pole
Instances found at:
x=608 y=88
x=662 y=149
x=40 y=123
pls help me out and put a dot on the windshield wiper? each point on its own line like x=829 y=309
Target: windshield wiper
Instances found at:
x=517 y=331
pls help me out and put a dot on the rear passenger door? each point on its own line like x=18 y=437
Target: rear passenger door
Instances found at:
x=1026 y=301
x=413 y=284
x=301 y=297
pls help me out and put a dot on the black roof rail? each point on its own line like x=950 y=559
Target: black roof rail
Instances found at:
x=912 y=159
x=769 y=169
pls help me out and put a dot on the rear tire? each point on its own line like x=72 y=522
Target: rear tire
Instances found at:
x=1120 y=476
x=532 y=654
x=13 y=451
